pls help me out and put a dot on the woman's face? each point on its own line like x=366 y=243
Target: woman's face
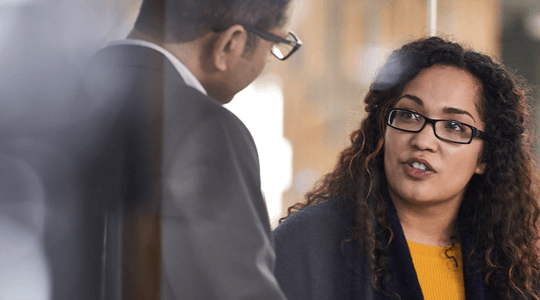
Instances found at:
x=438 y=92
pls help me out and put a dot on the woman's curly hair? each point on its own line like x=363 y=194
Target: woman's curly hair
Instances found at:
x=503 y=218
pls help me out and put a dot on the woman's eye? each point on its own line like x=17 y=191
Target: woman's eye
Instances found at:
x=407 y=115
x=454 y=126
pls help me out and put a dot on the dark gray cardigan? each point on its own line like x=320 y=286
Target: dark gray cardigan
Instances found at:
x=314 y=263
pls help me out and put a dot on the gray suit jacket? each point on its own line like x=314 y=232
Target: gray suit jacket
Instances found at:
x=163 y=148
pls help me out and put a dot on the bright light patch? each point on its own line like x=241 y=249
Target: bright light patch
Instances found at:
x=370 y=59
x=260 y=107
x=533 y=25
x=24 y=270
x=305 y=179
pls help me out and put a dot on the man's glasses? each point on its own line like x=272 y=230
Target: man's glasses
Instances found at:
x=446 y=130
x=283 y=47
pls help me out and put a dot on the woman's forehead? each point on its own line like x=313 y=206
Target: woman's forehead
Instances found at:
x=443 y=88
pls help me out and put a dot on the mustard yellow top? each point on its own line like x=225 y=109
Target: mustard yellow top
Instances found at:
x=438 y=276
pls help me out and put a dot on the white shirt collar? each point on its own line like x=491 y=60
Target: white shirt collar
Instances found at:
x=187 y=76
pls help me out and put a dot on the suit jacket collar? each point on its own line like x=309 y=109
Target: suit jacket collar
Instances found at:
x=135 y=56
x=186 y=74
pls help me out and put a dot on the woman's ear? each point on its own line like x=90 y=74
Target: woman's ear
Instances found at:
x=229 y=47
x=480 y=168
x=480 y=164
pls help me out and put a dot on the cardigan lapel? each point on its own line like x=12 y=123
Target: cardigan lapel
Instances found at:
x=404 y=280
x=473 y=277
x=474 y=286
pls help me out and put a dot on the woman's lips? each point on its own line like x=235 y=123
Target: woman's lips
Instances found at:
x=418 y=173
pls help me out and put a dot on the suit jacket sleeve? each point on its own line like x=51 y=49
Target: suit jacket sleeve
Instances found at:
x=216 y=238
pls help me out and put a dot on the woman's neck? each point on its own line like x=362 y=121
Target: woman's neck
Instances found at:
x=431 y=225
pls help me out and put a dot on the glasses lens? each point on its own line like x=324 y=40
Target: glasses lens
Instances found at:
x=281 y=50
x=454 y=131
x=278 y=52
x=405 y=120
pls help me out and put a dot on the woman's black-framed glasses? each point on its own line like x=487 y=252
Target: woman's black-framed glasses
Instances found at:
x=446 y=130
x=283 y=47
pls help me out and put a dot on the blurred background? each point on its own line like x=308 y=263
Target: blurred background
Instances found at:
x=320 y=89
x=300 y=111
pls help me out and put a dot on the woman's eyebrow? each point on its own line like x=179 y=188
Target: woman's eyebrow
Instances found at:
x=457 y=111
x=446 y=110
x=413 y=98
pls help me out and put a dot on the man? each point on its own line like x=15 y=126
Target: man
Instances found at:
x=178 y=173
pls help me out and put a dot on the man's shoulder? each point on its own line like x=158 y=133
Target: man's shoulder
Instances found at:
x=187 y=107
x=130 y=82
x=129 y=74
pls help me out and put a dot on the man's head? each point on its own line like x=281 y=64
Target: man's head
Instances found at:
x=211 y=39
x=182 y=21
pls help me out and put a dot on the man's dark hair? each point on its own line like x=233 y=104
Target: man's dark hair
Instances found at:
x=180 y=21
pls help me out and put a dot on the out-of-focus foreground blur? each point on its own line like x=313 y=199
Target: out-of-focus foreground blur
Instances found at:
x=303 y=112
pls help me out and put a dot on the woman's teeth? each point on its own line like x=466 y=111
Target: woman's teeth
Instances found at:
x=419 y=166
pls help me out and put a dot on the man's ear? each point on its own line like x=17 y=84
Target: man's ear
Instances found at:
x=229 y=47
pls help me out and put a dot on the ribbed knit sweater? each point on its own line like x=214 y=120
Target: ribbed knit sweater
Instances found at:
x=438 y=275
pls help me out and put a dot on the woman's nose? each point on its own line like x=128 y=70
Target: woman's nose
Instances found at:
x=426 y=139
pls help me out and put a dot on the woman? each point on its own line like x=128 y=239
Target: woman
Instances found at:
x=435 y=198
